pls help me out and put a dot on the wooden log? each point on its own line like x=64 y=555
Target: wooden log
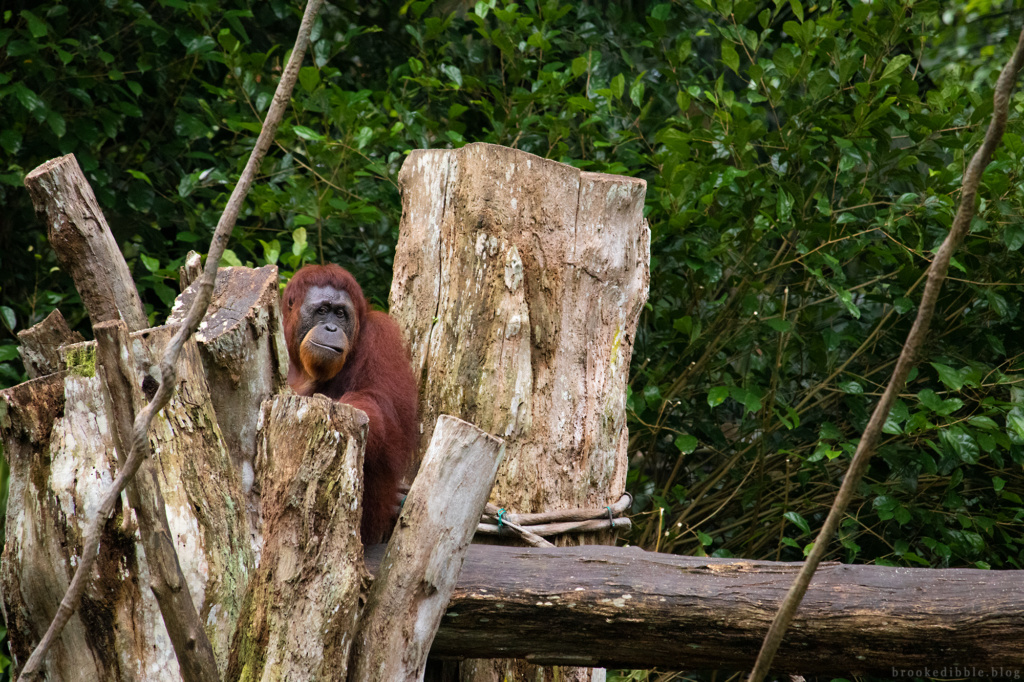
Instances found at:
x=303 y=602
x=85 y=248
x=56 y=487
x=519 y=283
x=425 y=553
x=117 y=364
x=623 y=607
x=241 y=340
x=39 y=344
x=190 y=271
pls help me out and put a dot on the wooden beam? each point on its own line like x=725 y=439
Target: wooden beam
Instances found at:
x=624 y=607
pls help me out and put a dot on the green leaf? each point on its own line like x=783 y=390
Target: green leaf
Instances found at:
x=9 y=352
x=10 y=140
x=636 y=91
x=686 y=444
x=152 y=264
x=299 y=244
x=139 y=175
x=309 y=78
x=229 y=259
x=903 y=305
x=846 y=298
x=717 y=395
x=579 y=66
x=7 y=315
x=618 y=86
x=36 y=26
x=308 y=134
x=1013 y=236
x=28 y=99
x=798 y=521
x=798 y=10
x=454 y=73
x=779 y=324
x=952 y=378
x=730 y=58
x=271 y=250
x=896 y=65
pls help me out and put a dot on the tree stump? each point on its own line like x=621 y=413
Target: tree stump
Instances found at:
x=302 y=605
x=62 y=463
x=536 y=274
x=39 y=344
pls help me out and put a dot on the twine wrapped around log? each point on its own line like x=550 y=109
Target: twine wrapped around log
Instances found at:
x=533 y=528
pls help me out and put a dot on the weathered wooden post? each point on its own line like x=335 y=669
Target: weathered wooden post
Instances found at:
x=519 y=282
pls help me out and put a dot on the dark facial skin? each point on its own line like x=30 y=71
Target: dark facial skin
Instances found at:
x=328 y=328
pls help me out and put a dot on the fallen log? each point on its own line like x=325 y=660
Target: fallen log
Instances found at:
x=624 y=607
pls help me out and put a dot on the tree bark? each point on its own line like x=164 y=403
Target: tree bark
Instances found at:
x=83 y=243
x=39 y=344
x=117 y=362
x=425 y=553
x=519 y=282
x=302 y=605
x=59 y=441
x=624 y=607
x=241 y=341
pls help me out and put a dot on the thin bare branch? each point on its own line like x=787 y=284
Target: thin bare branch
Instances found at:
x=907 y=359
x=140 y=430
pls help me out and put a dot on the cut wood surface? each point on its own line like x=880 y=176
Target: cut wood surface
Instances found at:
x=39 y=344
x=425 y=553
x=303 y=602
x=83 y=243
x=622 y=606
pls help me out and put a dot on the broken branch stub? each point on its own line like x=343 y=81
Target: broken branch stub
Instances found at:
x=116 y=361
x=519 y=282
x=39 y=344
x=83 y=243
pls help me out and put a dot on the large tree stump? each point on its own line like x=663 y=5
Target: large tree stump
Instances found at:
x=302 y=605
x=61 y=467
x=519 y=282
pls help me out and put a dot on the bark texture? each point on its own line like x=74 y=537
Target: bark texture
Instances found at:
x=83 y=243
x=39 y=344
x=117 y=367
x=62 y=461
x=425 y=553
x=536 y=273
x=241 y=340
x=621 y=606
x=519 y=282
x=303 y=603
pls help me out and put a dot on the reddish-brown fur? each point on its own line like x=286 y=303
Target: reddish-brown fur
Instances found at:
x=377 y=378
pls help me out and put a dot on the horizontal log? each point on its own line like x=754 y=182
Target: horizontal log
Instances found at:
x=624 y=607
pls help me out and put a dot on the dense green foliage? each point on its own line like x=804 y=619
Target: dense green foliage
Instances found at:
x=802 y=164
